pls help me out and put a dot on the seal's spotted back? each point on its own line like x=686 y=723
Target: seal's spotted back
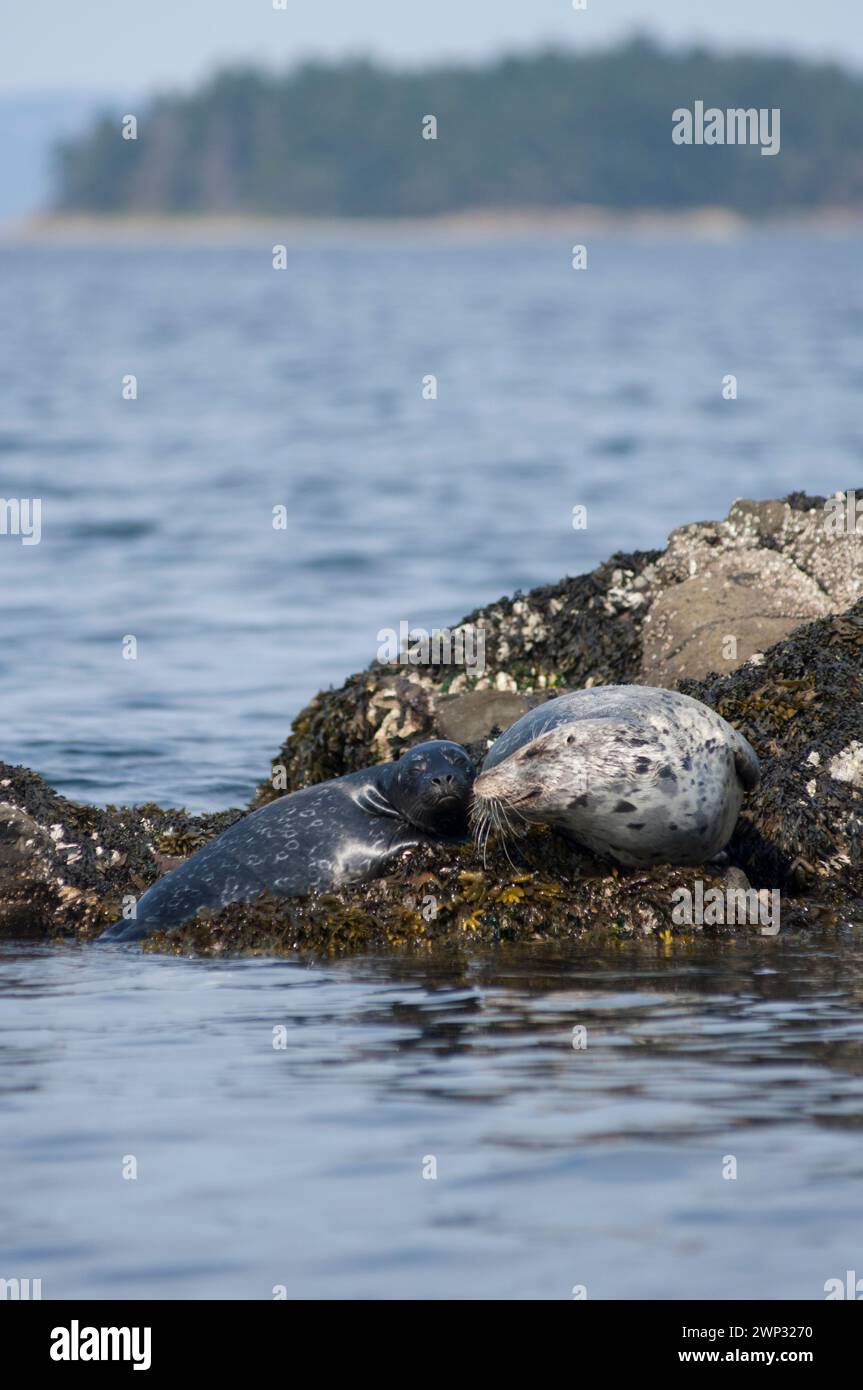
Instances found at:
x=636 y=774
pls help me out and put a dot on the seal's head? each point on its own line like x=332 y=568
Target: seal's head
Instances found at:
x=541 y=781
x=431 y=787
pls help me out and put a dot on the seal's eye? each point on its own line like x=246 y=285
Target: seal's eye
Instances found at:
x=532 y=753
x=571 y=738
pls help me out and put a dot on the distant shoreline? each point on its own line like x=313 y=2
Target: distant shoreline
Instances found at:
x=475 y=225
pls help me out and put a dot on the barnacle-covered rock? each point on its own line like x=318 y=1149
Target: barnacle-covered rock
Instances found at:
x=727 y=590
x=583 y=631
x=66 y=866
x=719 y=594
x=801 y=706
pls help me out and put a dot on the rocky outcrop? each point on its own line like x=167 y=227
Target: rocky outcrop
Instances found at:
x=800 y=704
x=795 y=690
x=728 y=590
x=584 y=631
x=66 y=867
x=717 y=596
x=800 y=835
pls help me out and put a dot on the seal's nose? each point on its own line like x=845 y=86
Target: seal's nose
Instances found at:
x=448 y=788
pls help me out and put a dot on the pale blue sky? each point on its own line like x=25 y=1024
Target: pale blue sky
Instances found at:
x=106 y=45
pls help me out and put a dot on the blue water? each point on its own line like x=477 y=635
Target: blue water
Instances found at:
x=302 y=388
x=303 y=1167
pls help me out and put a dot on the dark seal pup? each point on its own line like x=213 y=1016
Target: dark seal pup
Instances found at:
x=636 y=774
x=323 y=837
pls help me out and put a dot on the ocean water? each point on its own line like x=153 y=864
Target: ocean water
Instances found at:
x=303 y=1166
x=303 y=389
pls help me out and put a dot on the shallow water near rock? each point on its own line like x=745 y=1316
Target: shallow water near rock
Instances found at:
x=556 y=1167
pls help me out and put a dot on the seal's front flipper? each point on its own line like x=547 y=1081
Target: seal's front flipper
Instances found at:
x=747 y=765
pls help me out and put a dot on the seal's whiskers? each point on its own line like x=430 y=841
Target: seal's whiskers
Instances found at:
x=493 y=814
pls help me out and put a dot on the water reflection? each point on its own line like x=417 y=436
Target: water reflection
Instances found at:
x=556 y=1164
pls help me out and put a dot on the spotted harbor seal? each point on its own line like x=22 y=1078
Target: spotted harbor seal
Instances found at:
x=338 y=832
x=635 y=774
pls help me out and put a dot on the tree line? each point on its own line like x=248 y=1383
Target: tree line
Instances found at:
x=541 y=130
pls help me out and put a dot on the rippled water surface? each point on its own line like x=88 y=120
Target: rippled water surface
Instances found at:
x=303 y=1166
x=302 y=388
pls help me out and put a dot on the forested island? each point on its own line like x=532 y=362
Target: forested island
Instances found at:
x=549 y=129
